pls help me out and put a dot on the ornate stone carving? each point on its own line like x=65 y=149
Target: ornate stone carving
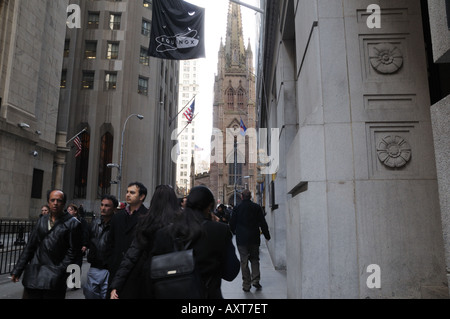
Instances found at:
x=393 y=151
x=386 y=58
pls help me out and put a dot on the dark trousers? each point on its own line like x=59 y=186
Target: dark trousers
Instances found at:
x=249 y=253
x=43 y=294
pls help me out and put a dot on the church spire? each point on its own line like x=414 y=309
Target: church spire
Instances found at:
x=235 y=52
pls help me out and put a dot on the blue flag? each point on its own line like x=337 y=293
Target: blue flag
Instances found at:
x=243 y=128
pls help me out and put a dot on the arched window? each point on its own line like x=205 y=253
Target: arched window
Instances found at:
x=238 y=174
x=230 y=98
x=104 y=173
x=82 y=167
x=241 y=98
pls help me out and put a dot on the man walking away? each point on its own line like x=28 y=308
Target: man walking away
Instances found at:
x=54 y=244
x=96 y=286
x=247 y=222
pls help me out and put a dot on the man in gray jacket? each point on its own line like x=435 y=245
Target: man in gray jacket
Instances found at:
x=53 y=246
x=247 y=222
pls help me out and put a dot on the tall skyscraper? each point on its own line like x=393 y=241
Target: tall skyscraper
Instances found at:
x=188 y=89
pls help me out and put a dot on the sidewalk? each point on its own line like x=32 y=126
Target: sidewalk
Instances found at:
x=273 y=282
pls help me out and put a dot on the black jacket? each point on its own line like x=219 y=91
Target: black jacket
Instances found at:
x=214 y=254
x=99 y=244
x=49 y=252
x=122 y=233
x=247 y=222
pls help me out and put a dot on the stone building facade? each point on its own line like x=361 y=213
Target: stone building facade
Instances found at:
x=31 y=57
x=234 y=100
x=109 y=82
x=356 y=193
x=57 y=79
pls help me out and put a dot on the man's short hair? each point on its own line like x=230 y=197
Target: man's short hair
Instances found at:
x=112 y=198
x=142 y=188
x=246 y=194
x=57 y=190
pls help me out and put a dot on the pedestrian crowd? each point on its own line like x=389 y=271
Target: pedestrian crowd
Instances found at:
x=127 y=246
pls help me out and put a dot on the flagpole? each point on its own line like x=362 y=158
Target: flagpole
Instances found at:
x=84 y=130
x=187 y=125
x=171 y=120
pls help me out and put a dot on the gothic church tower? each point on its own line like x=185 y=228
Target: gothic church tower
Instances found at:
x=234 y=100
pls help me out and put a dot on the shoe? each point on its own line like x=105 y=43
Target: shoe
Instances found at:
x=246 y=289
x=257 y=286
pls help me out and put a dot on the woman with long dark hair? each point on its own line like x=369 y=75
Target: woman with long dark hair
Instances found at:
x=214 y=252
x=163 y=210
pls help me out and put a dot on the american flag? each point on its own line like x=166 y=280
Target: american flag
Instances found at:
x=77 y=142
x=189 y=113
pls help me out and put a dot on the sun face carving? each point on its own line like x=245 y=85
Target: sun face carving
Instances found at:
x=394 y=151
x=386 y=58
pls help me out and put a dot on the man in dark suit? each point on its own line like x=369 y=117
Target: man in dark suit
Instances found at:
x=247 y=222
x=122 y=232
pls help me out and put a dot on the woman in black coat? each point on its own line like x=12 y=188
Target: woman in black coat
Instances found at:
x=214 y=252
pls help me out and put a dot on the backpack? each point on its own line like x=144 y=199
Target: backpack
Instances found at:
x=174 y=275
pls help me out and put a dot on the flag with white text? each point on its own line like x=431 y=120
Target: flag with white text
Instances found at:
x=178 y=30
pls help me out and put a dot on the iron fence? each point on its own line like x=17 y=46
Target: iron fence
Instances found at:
x=14 y=235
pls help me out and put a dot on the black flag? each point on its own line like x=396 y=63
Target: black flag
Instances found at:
x=178 y=30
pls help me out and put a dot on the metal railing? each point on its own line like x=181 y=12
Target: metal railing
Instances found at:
x=13 y=238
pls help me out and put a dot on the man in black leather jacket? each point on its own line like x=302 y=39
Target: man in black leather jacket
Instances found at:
x=96 y=286
x=52 y=247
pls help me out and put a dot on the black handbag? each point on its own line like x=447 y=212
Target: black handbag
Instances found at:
x=174 y=276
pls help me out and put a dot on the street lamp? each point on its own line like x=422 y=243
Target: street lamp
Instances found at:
x=119 y=167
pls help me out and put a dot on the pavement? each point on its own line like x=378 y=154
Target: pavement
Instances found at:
x=273 y=283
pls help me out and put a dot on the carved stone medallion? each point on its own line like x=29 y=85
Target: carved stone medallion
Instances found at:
x=386 y=58
x=393 y=151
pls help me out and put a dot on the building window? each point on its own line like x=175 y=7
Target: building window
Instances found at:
x=36 y=186
x=114 y=21
x=143 y=86
x=90 y=50
x=63 y=79
x=93 y=20
x=66 y=48
x=447 y=6
x=230 y=98
x=87 y=82
x=144 y=59
x=104 y=173
x=241 y=98
x=146 y=27
x=82 y=168
x=110 y=80
x=148 y=4
x=238 y=174
x=112 y=52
